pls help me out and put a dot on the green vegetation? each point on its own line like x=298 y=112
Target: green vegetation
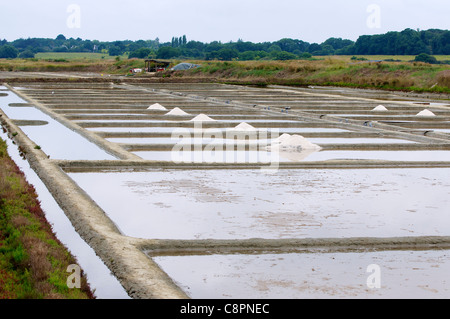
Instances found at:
x=33 y=263
x=72 y=56
x=407 y=42
x=423 y=57
x=8 y=52
x=59 y=63
x=380 y=72
x=390 y=58
x=411 y=76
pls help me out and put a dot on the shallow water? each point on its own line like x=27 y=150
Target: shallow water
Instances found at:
x=442 y=130
x=174 y=119
x=217 y=156
x=242 y=204
x=288 y=204
x=55 y=139
x=99 y=276
x=402 y=274
x=315 y=140
x=185 y=155
x=171 y=129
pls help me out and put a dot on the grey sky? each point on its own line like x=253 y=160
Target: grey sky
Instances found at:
x=222 y=20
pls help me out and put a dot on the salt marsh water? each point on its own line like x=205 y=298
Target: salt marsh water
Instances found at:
x=289 y=204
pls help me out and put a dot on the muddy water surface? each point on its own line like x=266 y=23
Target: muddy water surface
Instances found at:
x=390 y=274
x=242 y=204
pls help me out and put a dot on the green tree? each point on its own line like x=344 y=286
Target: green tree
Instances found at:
x=115 y=51
x=195 y=45
x=305 y=55
x=228 y=54
x=283 y=55
x=314 y=48
x=26 y=55
x=61 y=37
x=274 y=48
x=8 y=52
x=168 y=53
x=291 y=45
x=141 y=53
x=338 y=43
x=213 y=46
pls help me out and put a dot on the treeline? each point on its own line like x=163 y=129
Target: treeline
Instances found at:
x=406 y=42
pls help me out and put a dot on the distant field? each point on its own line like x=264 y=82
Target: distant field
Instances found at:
x=393 y=57
x=72 y=56
x=87 y=56
x=325 y=70
x=332 y=70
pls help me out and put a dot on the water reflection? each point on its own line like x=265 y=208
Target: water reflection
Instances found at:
x=55 y=139
x=290 y=203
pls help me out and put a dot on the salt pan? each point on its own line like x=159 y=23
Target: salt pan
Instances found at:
x=157 y=106
x=177 y=111
x=426 y=112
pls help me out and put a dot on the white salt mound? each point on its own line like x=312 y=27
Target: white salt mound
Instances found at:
x=426 y=113
x=157 y=106
x=177 y=111
x=380 y=108
x=287 y=142
x=202 y=118
x=244 y=127
x=283 y=138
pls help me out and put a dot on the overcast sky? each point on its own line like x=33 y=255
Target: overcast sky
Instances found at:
x=221 y=20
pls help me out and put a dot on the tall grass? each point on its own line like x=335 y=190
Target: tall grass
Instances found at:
x=332 y=71
x=73 y=56
x=33 y=263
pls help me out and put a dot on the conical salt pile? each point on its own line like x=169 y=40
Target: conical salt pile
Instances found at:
x=157 y=106
x=380 y=108
x=202 y=118
x=244 y=127
x=426 y=112
x=287 y=142
x=177 y=111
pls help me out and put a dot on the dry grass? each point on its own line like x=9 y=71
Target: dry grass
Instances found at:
x=443 y=78
x=31 y=65
x=328 y=71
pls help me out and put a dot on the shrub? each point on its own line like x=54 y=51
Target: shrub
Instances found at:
x=423 y=57
x=26 y=55
x=8 y=52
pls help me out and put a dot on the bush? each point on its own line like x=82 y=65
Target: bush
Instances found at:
x=8 y=52
x=26 y=55
x=423 y=57
x=355 y=58
x=305 y=55
x=283 y=56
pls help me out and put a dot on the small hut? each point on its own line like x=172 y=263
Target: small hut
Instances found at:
x=156 y=65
